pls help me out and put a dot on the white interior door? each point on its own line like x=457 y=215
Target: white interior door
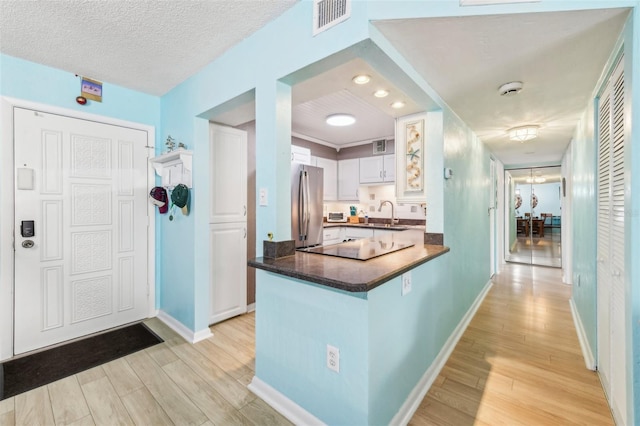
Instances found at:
x=84 y=186
x=228 y=223
x=612 y=314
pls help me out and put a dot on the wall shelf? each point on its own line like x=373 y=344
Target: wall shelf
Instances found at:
x=174 y=167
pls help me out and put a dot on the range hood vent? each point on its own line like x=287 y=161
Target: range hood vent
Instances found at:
x=327 y=13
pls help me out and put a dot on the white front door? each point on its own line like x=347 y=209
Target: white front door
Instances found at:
x=84 y=186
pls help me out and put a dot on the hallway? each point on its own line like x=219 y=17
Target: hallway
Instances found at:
x=519 y=361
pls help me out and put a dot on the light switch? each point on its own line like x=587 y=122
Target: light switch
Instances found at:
x=264 y=197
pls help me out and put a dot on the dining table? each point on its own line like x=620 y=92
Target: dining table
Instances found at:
x=528 y=225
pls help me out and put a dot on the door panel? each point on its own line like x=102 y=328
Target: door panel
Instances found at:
x=228 y=272
x=228 y=174
x=87 y=268
x=534 y=228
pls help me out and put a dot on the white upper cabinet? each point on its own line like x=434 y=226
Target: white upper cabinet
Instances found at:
x=348 y=179
x=377 y=169
x=330 y=174
x=300 y=155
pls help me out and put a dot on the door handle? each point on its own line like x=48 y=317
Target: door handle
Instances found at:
x=28 y=244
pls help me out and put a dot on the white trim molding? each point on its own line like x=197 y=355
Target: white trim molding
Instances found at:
x=251 y=307
x=283 y=405
x=182 y=330
x=589 y=359
x=411 y=404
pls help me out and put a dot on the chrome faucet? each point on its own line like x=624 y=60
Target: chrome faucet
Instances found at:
x=393 y=220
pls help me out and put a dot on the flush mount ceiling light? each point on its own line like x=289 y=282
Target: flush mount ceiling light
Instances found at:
x=381 y=93
x=397 y=104
x=340 y=119
x=523 y=133
x=361 y=79
x=510 y=89
x=537 y=179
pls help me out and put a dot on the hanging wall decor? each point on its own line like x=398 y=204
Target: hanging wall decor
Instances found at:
x=414 y=155
x=91 y=89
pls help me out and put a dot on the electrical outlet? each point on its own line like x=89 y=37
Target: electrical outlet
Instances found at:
x=406 y=283
x=333 y=358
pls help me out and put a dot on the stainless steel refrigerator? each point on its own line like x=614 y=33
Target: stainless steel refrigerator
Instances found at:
x=306 y=205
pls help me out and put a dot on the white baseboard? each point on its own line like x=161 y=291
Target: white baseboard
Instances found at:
x=251 y=307
x=589 y=359
x=411 y=404
x=283 y=405
x=182 y=330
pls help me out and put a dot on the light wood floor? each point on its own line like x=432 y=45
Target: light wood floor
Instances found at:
x=170 y=383
x=519 y=362
x=545 y=251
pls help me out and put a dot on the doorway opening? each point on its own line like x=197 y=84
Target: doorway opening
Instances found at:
x=534 y=216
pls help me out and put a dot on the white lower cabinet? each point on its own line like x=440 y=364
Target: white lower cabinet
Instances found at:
x=356 y=233
x=228 y=270
x=331 y=236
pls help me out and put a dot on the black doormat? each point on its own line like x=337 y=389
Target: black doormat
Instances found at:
x=32 y=371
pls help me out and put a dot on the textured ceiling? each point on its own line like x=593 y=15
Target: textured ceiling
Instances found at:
x=558 y=56
x=151 y=46
x=145 y=45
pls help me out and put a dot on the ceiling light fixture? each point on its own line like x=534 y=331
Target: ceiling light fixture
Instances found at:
x=361 y=79
x=523 y=133
x=537 y=179
x=340 y=119
x=381 y=93
x=510 y=89
x=397 y=104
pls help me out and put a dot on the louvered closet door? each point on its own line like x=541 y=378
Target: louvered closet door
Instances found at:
x=604 y=236
x=611 y=197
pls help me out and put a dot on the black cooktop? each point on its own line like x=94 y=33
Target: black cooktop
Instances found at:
x=365 y=248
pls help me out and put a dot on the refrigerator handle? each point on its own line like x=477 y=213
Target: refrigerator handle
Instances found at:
x=305 y=204
x=302 y=207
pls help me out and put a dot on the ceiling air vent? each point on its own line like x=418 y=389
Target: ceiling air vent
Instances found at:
x=380 y=146
x=327 y=13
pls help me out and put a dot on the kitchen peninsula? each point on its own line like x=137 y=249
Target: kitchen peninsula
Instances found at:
x=386 y=335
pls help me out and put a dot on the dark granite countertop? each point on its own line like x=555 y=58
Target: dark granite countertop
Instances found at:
x=349 y=274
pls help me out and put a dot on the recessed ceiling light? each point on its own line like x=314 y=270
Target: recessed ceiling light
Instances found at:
x=361 y=79
x=381 y=93
x=340 y=119
x=397 y=104
x=523 y=133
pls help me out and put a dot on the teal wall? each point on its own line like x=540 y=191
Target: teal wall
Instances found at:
x=33 y=82
x=583 y=234
x=387 y=341
x=631 y=39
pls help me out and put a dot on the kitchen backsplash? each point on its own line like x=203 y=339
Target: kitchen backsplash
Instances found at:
x=370 y=198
